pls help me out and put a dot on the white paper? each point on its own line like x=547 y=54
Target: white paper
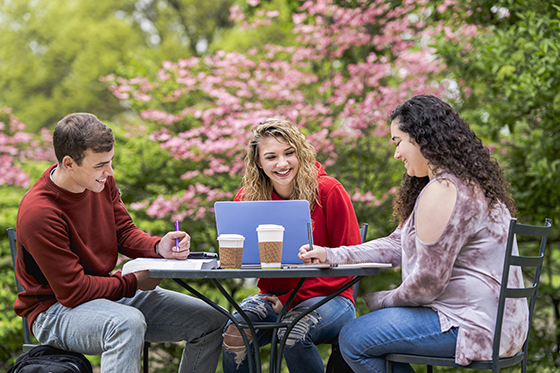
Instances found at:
x=142 y=264
x=365 y=265
x=344 y=265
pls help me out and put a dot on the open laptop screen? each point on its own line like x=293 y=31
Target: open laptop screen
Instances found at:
x=244 y=217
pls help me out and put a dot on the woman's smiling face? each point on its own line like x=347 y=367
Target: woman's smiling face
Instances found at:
x=280 y=163
x=409 y=152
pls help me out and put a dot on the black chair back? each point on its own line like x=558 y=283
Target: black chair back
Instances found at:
x=363 y=234
x=529 y=292
x=13 y=249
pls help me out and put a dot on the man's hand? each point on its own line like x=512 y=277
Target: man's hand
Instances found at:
x=146 y=282
x=318 y=252
x=166 y=247
x=276 y=303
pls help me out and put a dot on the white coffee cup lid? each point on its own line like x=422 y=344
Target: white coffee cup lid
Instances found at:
x=231 y=237
x=270 y=227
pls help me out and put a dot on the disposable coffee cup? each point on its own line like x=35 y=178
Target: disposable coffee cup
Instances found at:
x=230 y=250
x=270 y=237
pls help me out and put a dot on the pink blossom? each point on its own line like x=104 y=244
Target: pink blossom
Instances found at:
x=236 y=13
x=272 y=13
x=298 y=18
x=200 y=213
x=138 y=205
x=203 y=109
x=167 y=65
x=190 y=174
x=15 y=124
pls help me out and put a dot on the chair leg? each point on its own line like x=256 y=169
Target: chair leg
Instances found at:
x=388 y=366
x=146 y=357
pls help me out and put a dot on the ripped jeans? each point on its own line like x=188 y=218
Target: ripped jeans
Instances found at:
x=301 y=354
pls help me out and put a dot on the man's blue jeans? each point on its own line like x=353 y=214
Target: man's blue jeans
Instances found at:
x=300 y=351
x=117 y=329
x=407 y=330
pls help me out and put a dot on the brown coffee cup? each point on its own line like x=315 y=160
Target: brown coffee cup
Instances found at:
x=271 y=237
x=230 y=250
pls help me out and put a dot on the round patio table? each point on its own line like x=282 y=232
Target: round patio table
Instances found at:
x=215 y=275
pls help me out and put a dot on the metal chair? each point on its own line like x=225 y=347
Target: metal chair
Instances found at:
x=27 y=345
x=530 y=292
x=336 y=363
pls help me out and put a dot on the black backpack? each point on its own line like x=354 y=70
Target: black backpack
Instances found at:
x=43 y=359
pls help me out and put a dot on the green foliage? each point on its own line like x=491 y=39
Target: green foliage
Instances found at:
x=52 y=53
x=11 y=332
x=513 y=71
x=370 y=166
x=279 y=33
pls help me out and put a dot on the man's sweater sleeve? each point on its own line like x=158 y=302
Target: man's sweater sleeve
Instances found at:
x=71 y=285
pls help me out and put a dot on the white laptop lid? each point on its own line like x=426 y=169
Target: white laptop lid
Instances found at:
x=245 y=216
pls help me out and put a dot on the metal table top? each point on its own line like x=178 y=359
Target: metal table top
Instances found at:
x=264 y=273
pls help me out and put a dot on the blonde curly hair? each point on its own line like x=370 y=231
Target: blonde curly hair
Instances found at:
x=258 y=186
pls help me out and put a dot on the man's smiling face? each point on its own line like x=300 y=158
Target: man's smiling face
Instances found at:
x=92 y=173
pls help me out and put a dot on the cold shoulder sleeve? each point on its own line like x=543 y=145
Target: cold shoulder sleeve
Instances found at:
x=427 y=268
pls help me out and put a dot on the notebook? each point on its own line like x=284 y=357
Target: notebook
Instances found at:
x=245 y=216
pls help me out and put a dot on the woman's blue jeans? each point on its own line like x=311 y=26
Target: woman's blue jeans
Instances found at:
x=407 y=330
x=300 y=351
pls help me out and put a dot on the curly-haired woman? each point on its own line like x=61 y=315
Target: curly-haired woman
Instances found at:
x=454 y=210
x=280 y=165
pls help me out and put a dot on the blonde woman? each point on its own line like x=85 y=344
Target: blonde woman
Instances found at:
x=280 y=165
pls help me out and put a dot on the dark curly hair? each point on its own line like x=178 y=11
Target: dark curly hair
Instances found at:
x=448 y=143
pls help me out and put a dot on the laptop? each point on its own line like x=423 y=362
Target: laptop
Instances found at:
x=244 y=217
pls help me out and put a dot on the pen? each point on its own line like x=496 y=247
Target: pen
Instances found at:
x=176 y=229
x=310 y=237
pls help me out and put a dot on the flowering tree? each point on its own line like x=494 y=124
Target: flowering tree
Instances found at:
x=348 y=68
x=17 y=147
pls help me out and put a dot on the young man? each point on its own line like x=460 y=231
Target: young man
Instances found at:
x=71 y=225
